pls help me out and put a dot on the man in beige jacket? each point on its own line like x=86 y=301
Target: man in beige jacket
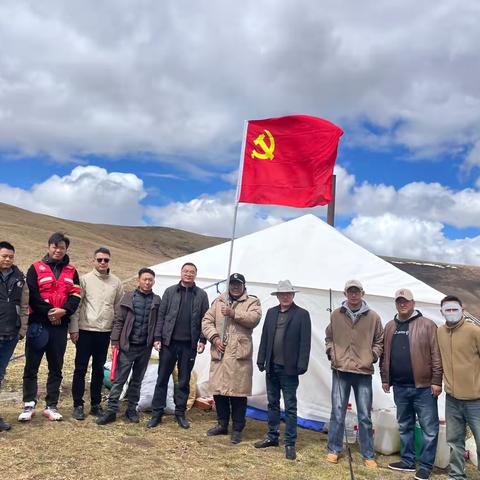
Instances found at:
x=90 y=329
x=228 y=325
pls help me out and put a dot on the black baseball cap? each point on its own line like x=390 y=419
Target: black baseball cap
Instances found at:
x=237 y=277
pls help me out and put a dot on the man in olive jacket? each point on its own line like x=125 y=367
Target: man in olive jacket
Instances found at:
x=284 y=353
x=178 y=337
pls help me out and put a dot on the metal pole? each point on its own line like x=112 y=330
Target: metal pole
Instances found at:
x=331 y=205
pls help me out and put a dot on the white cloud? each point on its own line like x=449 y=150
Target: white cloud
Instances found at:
x=87 y=194
x=180 y=77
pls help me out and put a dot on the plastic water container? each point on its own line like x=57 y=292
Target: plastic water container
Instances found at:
x=350 y=424
x=387 y=437
x=471 y=447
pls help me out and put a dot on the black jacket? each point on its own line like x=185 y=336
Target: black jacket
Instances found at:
x=168 y=312
x=296 y=342
x=10 y=300
x=38 y=306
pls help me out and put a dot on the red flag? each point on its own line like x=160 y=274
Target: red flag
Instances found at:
x=289 y=161
x=113 y=370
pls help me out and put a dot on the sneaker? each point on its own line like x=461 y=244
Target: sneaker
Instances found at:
x=28 y=412
x=265 y=443
x=4 y=426
x=401 y=467
x=370 y=463
x=52 y=414
x=332 y=458
x=96 y=410
x=422 y=474
x=108 y=417
x=78 y=413
x=132 y=416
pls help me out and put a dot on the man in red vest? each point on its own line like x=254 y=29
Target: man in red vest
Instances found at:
x=54 y=296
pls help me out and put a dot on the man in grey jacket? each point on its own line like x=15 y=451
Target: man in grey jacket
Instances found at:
x=178 y=338
x=90 y=329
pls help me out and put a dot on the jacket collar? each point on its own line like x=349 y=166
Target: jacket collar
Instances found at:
x=101 y=275
x=456 y=325
x=193 y=288
x=416 y=314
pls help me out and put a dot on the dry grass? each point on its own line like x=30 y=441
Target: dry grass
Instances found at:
x=83 y=450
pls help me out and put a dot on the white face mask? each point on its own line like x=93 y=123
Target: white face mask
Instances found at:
x=452 y=312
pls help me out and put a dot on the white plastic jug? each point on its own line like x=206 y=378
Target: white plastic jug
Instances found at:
x=471 y=446
x=387 y=437
x=442 y=457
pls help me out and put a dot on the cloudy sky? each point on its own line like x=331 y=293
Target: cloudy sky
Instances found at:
x=132 y=112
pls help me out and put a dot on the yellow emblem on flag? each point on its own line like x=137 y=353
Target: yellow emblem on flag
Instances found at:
x=267 y=150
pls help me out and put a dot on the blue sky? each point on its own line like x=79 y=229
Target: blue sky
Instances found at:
x=140 y=113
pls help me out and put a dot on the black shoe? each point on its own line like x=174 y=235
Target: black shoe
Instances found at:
x=78 y=413
x=108 y=417
x=235 y=438
x=401 y=467
x=290 y=453
x=182 y=421
x=132 y=416
x=217 y=430
x=4 y=426
x=154 y=421
x=265 y=443
x=96 y=410
x=422 y=474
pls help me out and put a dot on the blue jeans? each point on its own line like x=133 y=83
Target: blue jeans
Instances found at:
x=278 y=382
x=411 y=401
x=459 y=414
x=7 y=347
x=362 y=388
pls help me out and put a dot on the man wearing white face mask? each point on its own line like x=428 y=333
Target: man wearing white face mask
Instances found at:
x=459 y=343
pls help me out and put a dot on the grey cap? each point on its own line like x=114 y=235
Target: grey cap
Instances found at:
x=284 y=286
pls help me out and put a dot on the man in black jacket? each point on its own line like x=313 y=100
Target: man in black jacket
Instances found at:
x=178 y=338
x=13 y=310
x=284 y=353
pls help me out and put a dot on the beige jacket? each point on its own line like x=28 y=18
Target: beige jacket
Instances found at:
x=231 y=375
x=100 y=294
x=460 y=350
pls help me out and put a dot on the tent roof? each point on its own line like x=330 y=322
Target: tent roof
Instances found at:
x=307 y=251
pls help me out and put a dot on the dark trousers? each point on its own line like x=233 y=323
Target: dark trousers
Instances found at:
x=182 y=354
x=236 y=406
x=136 y=361
x=94 y=345
x=55 y=352
x=7 y=347
x=278 y=382
x=411 y=401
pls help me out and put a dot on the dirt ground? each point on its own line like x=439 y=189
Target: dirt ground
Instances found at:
x=83 y=450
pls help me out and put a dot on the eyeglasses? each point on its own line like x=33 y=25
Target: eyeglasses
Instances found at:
x=102 y=260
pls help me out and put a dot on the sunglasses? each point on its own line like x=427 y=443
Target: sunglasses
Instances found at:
x=102 y=260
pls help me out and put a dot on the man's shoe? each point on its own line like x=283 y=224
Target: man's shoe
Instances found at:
x=401 y=467
x=422 y=474
x=78 y=413
x=370 y=463
x=331 y=457
x=235 y=438
x=132 y=416
x=96 y=410
x=154 y=421
x=217 y=430
x=53 y=414
x=4 y=426
x=182 y=421
x=28 y=412
x=108 y=417
x=290 y=453
x=265 y=443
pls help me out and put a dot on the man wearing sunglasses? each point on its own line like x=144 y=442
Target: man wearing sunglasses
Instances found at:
x=90 y=330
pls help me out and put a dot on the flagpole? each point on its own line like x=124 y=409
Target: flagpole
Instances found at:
x=235 y=214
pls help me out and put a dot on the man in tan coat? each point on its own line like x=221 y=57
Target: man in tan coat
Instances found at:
x=228 y=325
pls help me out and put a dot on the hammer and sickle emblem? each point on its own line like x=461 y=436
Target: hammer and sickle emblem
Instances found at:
x=267 y=149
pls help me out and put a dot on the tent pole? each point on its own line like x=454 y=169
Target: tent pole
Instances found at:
x=331 y=205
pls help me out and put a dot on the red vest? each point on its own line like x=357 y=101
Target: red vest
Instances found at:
x=54 y=291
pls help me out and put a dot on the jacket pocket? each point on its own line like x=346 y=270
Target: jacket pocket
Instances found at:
x=244 y=349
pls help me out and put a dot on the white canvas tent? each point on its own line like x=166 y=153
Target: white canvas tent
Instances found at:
x=316 y=258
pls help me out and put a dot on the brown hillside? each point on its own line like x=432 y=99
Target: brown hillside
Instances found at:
x=131 y=247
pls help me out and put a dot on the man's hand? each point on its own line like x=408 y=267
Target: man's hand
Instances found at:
x=114 y=344
x=200 y=347
x=436 y=390
x=55 y=315
x=157 y=345
x=386 y=387
x=74 y=337
x=227 y=311
x=261 y=367
x=219 y=345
